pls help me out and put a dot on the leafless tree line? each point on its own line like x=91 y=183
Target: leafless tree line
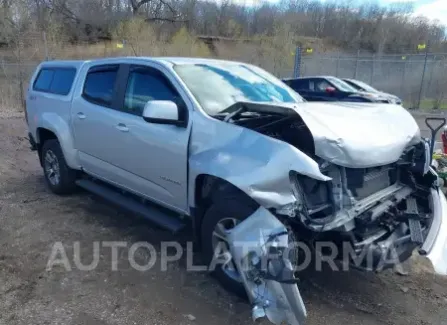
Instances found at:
x=343 y=23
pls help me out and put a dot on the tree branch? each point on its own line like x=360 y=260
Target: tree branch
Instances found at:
x=171 y=20
x=136 y=5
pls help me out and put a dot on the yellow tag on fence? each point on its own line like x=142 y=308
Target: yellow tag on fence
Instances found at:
x=120 y=45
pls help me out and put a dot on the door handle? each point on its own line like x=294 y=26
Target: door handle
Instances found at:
x=81 y=115
x=122 y=127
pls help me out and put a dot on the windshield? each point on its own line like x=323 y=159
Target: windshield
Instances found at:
x=341 y=85
x=216 y=86
x=364 y=86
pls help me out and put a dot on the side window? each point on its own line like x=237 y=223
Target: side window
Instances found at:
x=62 y=81
x=322 y=85
x=300 y=84
x=146 y=84
x=55 y=80
x=99 y=85
x=43 y=80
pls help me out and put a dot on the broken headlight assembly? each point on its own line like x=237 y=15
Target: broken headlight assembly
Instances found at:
x=314 y=200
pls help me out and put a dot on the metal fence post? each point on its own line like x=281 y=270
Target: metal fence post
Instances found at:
x=373 y=63
x=430 y=79
x=404 y=75
x=297 y=65
x=423 y=77
x=338 y=65
x=356 y=72
x=45 y=44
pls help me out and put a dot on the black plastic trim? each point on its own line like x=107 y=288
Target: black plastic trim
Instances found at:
x=178 y=123
x=147 y=211
x=32 y=142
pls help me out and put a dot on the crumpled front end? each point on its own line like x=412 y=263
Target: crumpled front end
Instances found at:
x=313 y=178
x=403 y=219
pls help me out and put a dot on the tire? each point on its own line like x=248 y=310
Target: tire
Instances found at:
x=231 y=205
x=53 y=163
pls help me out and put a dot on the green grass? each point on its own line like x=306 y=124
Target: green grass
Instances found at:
x=427 y=104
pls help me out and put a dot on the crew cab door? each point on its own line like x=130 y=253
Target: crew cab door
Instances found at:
x=148 y=159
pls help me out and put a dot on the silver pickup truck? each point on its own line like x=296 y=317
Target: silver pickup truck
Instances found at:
x=233 y=151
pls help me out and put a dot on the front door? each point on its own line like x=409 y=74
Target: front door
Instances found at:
x=152 y=157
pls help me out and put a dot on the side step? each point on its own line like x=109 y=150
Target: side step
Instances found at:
x=149 y=212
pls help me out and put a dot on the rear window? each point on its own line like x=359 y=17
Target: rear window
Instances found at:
x=99 y=85
x=55 y=80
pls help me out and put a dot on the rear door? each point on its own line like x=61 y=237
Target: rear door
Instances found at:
x=94 y=119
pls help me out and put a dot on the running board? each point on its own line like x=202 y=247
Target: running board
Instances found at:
x=149 y=212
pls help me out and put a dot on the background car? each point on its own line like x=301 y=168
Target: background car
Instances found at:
x=327 y=88
x=362 y=86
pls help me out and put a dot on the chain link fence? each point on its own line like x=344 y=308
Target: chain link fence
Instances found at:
x=419 y=79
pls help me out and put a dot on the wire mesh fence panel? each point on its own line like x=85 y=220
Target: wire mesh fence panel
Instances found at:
x=416 y=78
x=397 y=74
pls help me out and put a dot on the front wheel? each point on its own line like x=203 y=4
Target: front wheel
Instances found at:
x=59 y=177
x=223 y=215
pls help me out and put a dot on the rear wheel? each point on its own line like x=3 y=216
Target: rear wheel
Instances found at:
x=60 y=178
x=224 y=213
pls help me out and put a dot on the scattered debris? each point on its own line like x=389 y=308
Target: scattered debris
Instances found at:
x=401 y=271
x=190 y=317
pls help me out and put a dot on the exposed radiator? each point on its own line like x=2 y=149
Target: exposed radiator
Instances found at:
x=368 y=181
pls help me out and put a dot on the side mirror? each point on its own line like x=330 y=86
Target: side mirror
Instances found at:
x=330 y=90
x=162 y=112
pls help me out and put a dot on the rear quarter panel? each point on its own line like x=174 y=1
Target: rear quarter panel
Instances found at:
x=52 y=112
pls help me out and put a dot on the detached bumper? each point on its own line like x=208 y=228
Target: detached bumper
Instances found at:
x=435 y=245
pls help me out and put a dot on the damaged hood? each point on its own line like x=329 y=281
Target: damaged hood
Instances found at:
x=356 y=135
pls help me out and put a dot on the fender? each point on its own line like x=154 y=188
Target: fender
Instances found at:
x=256 y=164
x=62 y=129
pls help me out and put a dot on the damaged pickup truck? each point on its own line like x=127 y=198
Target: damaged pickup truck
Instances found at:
x=253 y=166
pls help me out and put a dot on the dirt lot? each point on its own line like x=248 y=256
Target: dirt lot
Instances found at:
x=32 y=220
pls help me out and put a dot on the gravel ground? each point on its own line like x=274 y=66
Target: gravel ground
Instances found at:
x=32 y=220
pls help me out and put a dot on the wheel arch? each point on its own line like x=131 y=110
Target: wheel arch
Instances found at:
x=207 y=189
x=42 y=135
x=53 y=126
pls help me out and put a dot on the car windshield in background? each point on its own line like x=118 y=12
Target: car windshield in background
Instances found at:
x=217 y=86
x=364 y=86
x=341 y=85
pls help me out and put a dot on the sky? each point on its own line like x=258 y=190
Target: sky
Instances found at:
x=432 y=9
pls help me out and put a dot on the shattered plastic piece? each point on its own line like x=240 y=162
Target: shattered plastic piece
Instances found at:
x=251 y=243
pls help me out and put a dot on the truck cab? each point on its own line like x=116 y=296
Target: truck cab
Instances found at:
x=235 y=152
